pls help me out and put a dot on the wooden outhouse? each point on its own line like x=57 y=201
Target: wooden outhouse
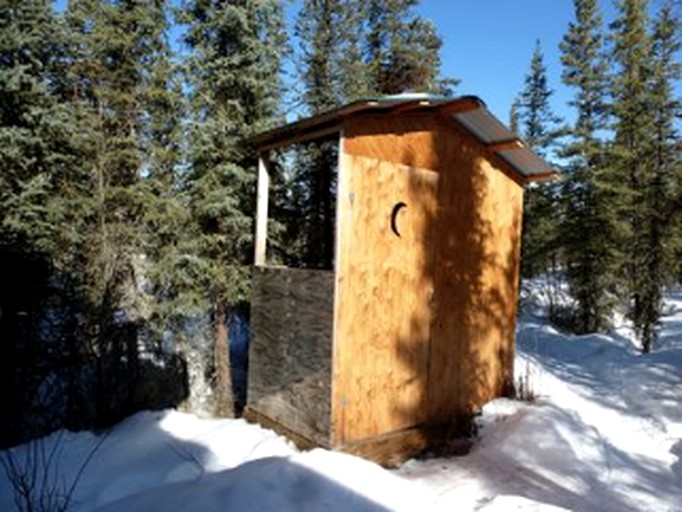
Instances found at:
x=412 y=330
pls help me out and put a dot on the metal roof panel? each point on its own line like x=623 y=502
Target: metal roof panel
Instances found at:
x=483 y=125
x=526 y=162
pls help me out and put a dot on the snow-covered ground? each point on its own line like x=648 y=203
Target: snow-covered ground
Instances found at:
x=604 y=434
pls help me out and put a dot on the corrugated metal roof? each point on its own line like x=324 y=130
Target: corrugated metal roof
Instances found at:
x=468 y=112
x=527 y=162
x=483 y=125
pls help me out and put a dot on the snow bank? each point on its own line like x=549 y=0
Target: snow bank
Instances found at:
x=316 y=480
x=170 y=460
x=605 y=434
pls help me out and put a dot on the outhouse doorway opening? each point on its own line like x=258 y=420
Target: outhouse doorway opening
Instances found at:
x=301 y=216
x=293 y=284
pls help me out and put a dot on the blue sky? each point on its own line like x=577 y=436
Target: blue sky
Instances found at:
x=488 y=44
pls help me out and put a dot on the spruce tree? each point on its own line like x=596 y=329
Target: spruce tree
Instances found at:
x=332 y=74
x=636 y=164
x=40 y=137
x=537 y=124
x=367 y=49
x=115 y=78
x=327 y=31
x=514 y=116
x=591 y=224
x=233 y=75
x=667 y=110
x=105 y=81
x=166 y=219
x=654 y=222
x=402 y=50
x=42 y=184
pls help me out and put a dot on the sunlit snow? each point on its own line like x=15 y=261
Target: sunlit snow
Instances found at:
x=604 y=434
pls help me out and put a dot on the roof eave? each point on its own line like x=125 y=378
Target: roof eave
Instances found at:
x=468 y=112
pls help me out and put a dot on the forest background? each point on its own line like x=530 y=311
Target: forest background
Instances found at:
x=127 y=189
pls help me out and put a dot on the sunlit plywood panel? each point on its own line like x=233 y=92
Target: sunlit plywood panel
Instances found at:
x=408 y=140
x=383 y=313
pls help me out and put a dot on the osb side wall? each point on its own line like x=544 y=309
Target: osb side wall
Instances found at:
x=290 y=349
x=449 y=290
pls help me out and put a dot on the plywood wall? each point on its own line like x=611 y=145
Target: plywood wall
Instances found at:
x=290 y=349
x=476 y=268
x=381 y=352
x=424 y=321
x=408 y=139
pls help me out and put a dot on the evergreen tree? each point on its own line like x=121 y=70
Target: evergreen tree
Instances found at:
x=367 y=49
x=537 y=125
x=639 y=158
x=514 y=116
x=233 y=76
x=166 y=220
x=42 y=184
x=667 y=110
x=652 y=224
x=40 y=137
x=591 y=224
x=331 y=67
x=328 y=33
x=105 y=81
x=402 y=50
x=116 y=78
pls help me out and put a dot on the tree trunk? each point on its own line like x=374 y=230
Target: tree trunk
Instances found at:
x=224 y=399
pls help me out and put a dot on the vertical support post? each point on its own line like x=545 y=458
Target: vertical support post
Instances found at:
x=344 y=203
x=262 y=210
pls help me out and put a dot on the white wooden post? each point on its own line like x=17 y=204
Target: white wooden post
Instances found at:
x=262 y=210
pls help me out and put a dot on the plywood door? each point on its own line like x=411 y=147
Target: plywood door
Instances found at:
x=385 y=285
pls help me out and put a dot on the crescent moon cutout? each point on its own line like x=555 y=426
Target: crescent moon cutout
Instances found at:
x=394 y=217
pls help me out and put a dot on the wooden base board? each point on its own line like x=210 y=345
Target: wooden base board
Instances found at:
x=389 y=450
x=392 y=449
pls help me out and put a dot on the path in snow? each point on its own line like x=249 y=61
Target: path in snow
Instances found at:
x=604 y=434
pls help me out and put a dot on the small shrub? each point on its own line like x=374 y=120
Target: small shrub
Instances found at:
x=35 y=476
x=524 y=386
